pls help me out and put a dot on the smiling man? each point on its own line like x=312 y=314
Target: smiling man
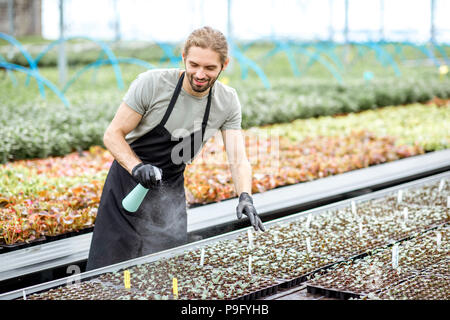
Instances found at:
x=165 y=118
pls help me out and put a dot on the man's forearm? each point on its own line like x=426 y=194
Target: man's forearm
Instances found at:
x=121 y=150
x=242 y=177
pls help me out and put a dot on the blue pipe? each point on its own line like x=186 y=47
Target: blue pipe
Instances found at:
x=104 y=47
x=40 y=78
x=10 y=74
x=31 y=61
x=98 y=63
x=325 y=63
x=246 y=62
x=168 y=54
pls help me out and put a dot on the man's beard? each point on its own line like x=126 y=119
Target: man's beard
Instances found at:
x=207 y=84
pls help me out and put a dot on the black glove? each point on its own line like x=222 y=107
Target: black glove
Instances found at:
x=147 y=175
x=246 y=207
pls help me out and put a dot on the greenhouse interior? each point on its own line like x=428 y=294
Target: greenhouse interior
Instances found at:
x=224 y=150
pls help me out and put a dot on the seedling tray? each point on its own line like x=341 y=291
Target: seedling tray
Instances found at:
x=268 y=291
x=22 y=245
x=436 y=291
x=287 y=283
x=260 y=292
x=332 y=293
x=69 y=234
x=345 y=295
x=438 y=269
x=335 y=293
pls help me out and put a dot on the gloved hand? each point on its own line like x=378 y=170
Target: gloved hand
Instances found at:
x=147 y=175
x=246 y=207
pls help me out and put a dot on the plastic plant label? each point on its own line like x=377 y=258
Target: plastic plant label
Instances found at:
x=405 y=214
x=448 y=202
x=175 y=287
x=126 y=279
x=443 y=70
x=441 y=185
x=202 y=257
x=275 y=237
x=308 y=221
x=250 y=239
x=249 y=264
x=395 y=256
x=360 y=229
x=353 y=207
x=24 y=295
x=225 y=80
x=308 y=245
x=438 y=240
x=399 y=196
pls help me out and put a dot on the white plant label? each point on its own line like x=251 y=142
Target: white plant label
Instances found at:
x=360 y=229
x=448 y=202
x=308 y=221
x=250 y=239
x=438 y=240
x=395 y=256
x=250 y=264
x=202 y=257
x=400 y=196
x=405 y=214
x=24 y=295
x=353 y=207
x=403 y=223
x=441 y=185
x=308 y=245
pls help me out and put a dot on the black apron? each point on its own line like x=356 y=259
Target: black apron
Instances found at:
x=160 y=223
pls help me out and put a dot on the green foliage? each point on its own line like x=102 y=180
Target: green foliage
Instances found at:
x=38 y=129
x=33 y=131
x=33 y=127
x=313 y=99
x=82 y=52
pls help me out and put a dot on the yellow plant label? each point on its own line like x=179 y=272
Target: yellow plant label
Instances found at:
x=175 y=288
x=126 y=279
x=225 y=80
x=443 y=70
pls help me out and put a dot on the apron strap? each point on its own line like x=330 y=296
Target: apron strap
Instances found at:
x=174 y=98
x=206 y=115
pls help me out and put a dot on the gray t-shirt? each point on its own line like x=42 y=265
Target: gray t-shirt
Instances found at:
x=150 y=93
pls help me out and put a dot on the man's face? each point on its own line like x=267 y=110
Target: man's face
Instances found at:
x=203 y=67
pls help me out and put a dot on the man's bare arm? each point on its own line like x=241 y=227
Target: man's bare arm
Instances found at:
x=241 y=171
x=125 y=120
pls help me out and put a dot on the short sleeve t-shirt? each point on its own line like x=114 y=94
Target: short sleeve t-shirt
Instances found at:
x=150 y=93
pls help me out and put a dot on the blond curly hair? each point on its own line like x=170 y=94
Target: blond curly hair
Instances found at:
x=208 y=38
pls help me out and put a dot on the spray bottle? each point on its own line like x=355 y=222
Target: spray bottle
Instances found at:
x=134 y=199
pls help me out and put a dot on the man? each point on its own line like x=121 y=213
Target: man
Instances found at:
x=155 y=133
